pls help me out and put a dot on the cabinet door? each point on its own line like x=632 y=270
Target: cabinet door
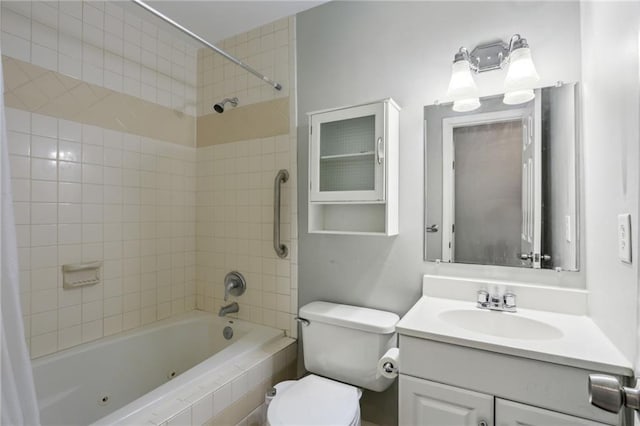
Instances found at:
x=347 y=153
x=509 y=413
x=429 y=403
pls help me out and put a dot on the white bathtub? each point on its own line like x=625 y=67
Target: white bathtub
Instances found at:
x=110 y=379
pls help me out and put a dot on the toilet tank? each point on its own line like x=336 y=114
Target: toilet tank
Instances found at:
x=345 y=342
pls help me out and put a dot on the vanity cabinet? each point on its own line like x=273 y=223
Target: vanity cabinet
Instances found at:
x=353 y=169
x=447 y=384
x=423 y=402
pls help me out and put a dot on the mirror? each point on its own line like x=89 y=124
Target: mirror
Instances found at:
x=501 y=182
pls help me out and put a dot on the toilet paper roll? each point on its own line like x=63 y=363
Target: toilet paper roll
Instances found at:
x=388 y=364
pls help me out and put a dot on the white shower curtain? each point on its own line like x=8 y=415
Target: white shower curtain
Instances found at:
x=18 y=396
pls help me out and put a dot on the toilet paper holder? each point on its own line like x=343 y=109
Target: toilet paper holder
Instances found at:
x=390 y=368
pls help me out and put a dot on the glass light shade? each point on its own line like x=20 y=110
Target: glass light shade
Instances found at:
x=465 y=105
x=517 y=97
x=462 y=88
x=521 y=77
x=522 y=72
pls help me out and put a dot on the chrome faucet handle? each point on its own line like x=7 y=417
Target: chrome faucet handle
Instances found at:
x=234 y=284
x=483 y=297
x=509 y=300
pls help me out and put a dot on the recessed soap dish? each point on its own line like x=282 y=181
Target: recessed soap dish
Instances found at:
x=81 y=274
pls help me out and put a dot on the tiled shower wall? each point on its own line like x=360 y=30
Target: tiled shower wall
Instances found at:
x=105 y=190
x=103 y=44
x=268 y=49
x=98 y=192
x=82 y=194
x=236 y=180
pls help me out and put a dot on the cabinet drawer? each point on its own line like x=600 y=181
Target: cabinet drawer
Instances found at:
x=542 y=384
x=509 y=413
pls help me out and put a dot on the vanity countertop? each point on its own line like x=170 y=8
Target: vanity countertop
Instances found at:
x=579 y=343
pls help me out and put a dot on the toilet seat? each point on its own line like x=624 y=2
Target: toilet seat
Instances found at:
x=314 y=400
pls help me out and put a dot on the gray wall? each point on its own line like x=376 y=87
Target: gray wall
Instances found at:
x=355 y=52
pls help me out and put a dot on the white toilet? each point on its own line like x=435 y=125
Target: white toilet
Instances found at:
x=343 y=344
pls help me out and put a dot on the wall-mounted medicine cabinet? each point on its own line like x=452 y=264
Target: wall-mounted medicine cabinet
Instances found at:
x=353 y=169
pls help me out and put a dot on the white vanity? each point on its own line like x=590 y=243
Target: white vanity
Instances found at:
x=461 y=365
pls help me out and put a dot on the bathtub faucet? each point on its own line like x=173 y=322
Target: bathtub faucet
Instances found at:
x=229 y=309
x=234 y=284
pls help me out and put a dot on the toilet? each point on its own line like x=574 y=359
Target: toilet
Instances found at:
x=342 y=345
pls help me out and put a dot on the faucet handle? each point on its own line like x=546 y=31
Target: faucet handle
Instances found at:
x=483 y=297
x=509 y=300
x=234 y=284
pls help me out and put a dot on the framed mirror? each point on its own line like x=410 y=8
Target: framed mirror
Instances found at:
x=501 y=182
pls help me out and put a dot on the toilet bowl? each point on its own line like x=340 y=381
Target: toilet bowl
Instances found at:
x=342 y=346
x=314 y=400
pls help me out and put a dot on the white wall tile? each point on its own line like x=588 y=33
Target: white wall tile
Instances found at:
x=78 y=210
x=44 y=235
x=15 y=47
x=44 y=213
x=69 y=172
x=44 y=169
x=222 y=398
x=44 y=344
x=44 y=191
x=202 y=410
x=44 y=147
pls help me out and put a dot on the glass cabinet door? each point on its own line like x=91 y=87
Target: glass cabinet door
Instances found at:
x=347 y=154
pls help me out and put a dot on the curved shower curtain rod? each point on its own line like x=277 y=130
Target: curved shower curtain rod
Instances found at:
x=195 y=36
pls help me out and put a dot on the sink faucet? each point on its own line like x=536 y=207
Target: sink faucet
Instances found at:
x=229 y=309
x=497 y=302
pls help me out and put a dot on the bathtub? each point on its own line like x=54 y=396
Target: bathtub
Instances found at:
x=109 y=380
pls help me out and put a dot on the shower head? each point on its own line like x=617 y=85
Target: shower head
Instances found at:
x=219 y=107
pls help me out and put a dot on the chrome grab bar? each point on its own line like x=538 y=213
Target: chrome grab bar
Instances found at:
x=281 y=249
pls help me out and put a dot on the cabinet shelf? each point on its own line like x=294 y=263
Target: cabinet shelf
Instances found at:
x=352 y=155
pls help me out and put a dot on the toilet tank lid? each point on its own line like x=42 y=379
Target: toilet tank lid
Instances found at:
x=356 y=317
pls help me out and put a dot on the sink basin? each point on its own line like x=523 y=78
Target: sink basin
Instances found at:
x=500 y=324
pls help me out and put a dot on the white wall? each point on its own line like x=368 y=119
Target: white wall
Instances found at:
x=353 y=52
x=611 y=162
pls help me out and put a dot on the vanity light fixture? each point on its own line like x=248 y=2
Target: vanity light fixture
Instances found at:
x=518 y=85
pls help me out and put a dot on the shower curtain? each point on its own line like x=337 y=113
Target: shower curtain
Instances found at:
x=18 y=396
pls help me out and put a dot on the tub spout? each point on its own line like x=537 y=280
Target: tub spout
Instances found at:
x=229 y=309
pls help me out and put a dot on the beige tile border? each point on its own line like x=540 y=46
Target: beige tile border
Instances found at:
x=35 y=89
x=255 y=121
